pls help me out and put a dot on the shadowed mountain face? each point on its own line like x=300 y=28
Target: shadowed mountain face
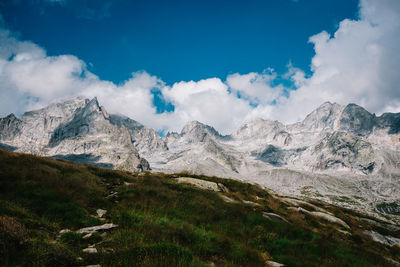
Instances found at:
x=335 y=150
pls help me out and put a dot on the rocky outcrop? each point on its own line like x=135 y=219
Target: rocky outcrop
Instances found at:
x=92 y=229
x=384 y=239
x=357 y=120
x=344 y=150
x=389 y=208
x=202 y=184
x=146 y=140
x=195 y=131
x=9 y=127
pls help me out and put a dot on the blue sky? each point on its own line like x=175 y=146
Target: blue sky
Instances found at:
x=178 y=40
x=223 y=63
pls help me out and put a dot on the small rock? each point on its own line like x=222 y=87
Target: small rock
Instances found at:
x=79 y=259
x=344 y=232
x=100 y=212
x=96 y=265
x=227 y=199
x=92 y=229
x=87 y=236
x=112 y=194
x=63 y=231
x=127 y=184
x=223 y=188
x=202 y=184
x=250 y=203
x=109 y=250
x=274 y=264
x=274 y=217
x=90 y=250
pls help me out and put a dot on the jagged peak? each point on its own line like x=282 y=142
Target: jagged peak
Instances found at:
x=196 y=126
x=326 y=106
x=357 y=120
x=92 y=102
x=191 y=125
x=257 y=127
x=325 y=115
x=119 y=120
x=171 y=134
x=94 y=106
x=351 y=107
x=11 y=116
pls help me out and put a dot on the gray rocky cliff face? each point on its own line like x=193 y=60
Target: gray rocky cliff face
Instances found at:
x=357 y=120
x=9 y=127
x=146 y=140
x=344 y=150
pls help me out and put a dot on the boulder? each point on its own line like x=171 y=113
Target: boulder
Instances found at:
x=274 y=264
x=100 y=212
x=90 y=250
x=202 y=184
x=325 y=216
x=88 y=230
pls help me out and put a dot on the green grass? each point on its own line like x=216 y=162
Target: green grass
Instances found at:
x=160 y=222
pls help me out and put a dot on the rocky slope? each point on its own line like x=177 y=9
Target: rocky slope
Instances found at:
x=341 y=154
x=58 y=213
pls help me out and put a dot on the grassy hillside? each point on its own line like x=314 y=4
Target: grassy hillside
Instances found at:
x=165 y=223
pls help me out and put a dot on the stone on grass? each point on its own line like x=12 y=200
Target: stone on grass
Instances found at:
x=383 y=239
x=250 y=203
x=274 y=264
x=202 y=184
x=90 y=250
x=274 y=217
x=100 y=212
x=63 y=231
x=91 y=229
x=227 y=199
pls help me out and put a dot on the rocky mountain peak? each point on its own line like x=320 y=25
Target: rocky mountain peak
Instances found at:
x=9 y=126
x=390 y=121
x=197 y=131
x=325 y=116
x=257 y=129
x=357 y=120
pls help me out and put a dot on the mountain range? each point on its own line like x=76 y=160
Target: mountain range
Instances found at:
x=340 y=154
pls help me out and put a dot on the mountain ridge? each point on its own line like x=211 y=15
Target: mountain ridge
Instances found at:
x=336 y=151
